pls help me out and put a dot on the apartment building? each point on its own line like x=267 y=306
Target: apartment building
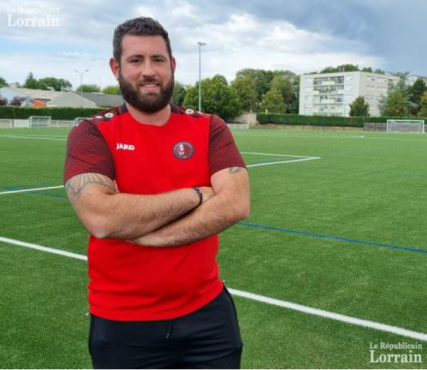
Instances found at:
x=411 y=79
x=330 y=94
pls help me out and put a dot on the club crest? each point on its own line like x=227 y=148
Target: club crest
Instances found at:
x=183 y=150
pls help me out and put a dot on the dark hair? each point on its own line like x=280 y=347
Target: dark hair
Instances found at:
x=142 y=26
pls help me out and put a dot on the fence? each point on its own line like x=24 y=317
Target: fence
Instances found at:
x=23 y=123
x=238 y=126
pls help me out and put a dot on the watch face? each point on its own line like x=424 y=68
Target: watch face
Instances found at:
x=183 y=150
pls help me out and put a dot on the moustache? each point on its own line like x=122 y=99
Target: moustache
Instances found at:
x=149 y=81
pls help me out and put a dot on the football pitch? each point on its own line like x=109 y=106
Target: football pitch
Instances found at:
x=329 y=271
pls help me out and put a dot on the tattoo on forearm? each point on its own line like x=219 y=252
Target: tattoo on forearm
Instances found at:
x=232 y=170
x=75 y=185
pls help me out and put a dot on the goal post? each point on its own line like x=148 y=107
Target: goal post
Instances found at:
x=405 y=125
x=39 y=121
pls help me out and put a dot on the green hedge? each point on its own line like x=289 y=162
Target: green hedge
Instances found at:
x=67 y=114
x=296 y=119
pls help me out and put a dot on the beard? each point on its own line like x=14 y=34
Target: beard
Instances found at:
x=150 y=102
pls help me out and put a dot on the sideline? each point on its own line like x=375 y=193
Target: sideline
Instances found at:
x=259 y=298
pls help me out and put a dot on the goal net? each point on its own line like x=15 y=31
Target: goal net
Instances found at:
x=403 y=125
x=39 y=121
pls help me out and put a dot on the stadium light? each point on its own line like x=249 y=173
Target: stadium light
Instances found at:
x=200 y=74
x=81 y=82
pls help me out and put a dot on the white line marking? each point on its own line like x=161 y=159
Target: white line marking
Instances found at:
x=259 y=298
x=301 y=159
x=331 y=315
x=32 y=137
x=43 y=249
x=281 y=162
x=28 y=190
x=312 y=135
x=279 y=155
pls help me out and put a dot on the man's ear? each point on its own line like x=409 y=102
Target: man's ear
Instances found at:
x=115 y=67
x=173 y=64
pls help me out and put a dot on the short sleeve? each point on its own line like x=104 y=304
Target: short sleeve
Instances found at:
x=223 y=152
x=87 y=151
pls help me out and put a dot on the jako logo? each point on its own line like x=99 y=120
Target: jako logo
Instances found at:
x=125 y=147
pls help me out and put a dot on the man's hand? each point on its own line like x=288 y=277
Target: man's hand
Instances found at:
x=230 y=203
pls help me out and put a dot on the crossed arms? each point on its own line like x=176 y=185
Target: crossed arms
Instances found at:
x=167 y=219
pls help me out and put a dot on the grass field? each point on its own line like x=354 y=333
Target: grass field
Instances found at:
x=338 y=224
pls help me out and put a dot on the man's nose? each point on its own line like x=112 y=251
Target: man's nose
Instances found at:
x=147 y=69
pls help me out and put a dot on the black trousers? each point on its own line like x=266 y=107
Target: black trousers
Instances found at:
x=205 y=339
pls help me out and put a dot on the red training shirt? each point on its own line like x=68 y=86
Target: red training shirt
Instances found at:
x=136 y=283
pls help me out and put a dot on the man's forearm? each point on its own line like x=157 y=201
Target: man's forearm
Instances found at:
x=209 y=219
x=137 y=215
x=108 y=214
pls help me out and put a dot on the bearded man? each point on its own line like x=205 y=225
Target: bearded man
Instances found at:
x=154 y=184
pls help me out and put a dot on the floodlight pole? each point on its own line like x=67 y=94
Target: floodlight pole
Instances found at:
x=81 y=82
x=200 y=74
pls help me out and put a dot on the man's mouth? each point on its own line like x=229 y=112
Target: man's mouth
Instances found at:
x=149 y=85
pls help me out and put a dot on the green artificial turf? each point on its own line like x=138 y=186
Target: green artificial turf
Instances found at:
x=344 y=233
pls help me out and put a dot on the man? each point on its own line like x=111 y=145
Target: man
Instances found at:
x=154 y=184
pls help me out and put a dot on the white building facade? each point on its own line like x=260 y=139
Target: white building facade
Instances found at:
x=330 y=94
x=411 y=79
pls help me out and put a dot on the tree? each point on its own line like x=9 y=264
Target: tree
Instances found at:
x=58 y=84
x=245 y=88
x=294 y=106
x=217 y=98
x=88 y=88
x=403 y=89
x=220 y=79
x=262 y=81
x=401 y=86
x=359 y=108
x=379 y=71
x=284 y=87
x=258 y=80
x=3 y=82
x=349 y=68
x=112 y=89
x=31 y=82
x=382 y=101
x=341 y=68
x=179 y=94
x=416 y=91
x=17 y=101
x=423 y=106
x=3 y=101
x=396 y=105
x=273 y=102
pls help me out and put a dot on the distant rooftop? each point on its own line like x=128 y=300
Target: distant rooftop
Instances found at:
x=103 y=100
x=43 y=95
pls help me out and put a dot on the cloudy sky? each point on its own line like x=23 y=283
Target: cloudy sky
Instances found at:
x=297 y=35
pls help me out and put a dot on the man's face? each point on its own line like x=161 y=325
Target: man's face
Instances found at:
x=146 y=73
